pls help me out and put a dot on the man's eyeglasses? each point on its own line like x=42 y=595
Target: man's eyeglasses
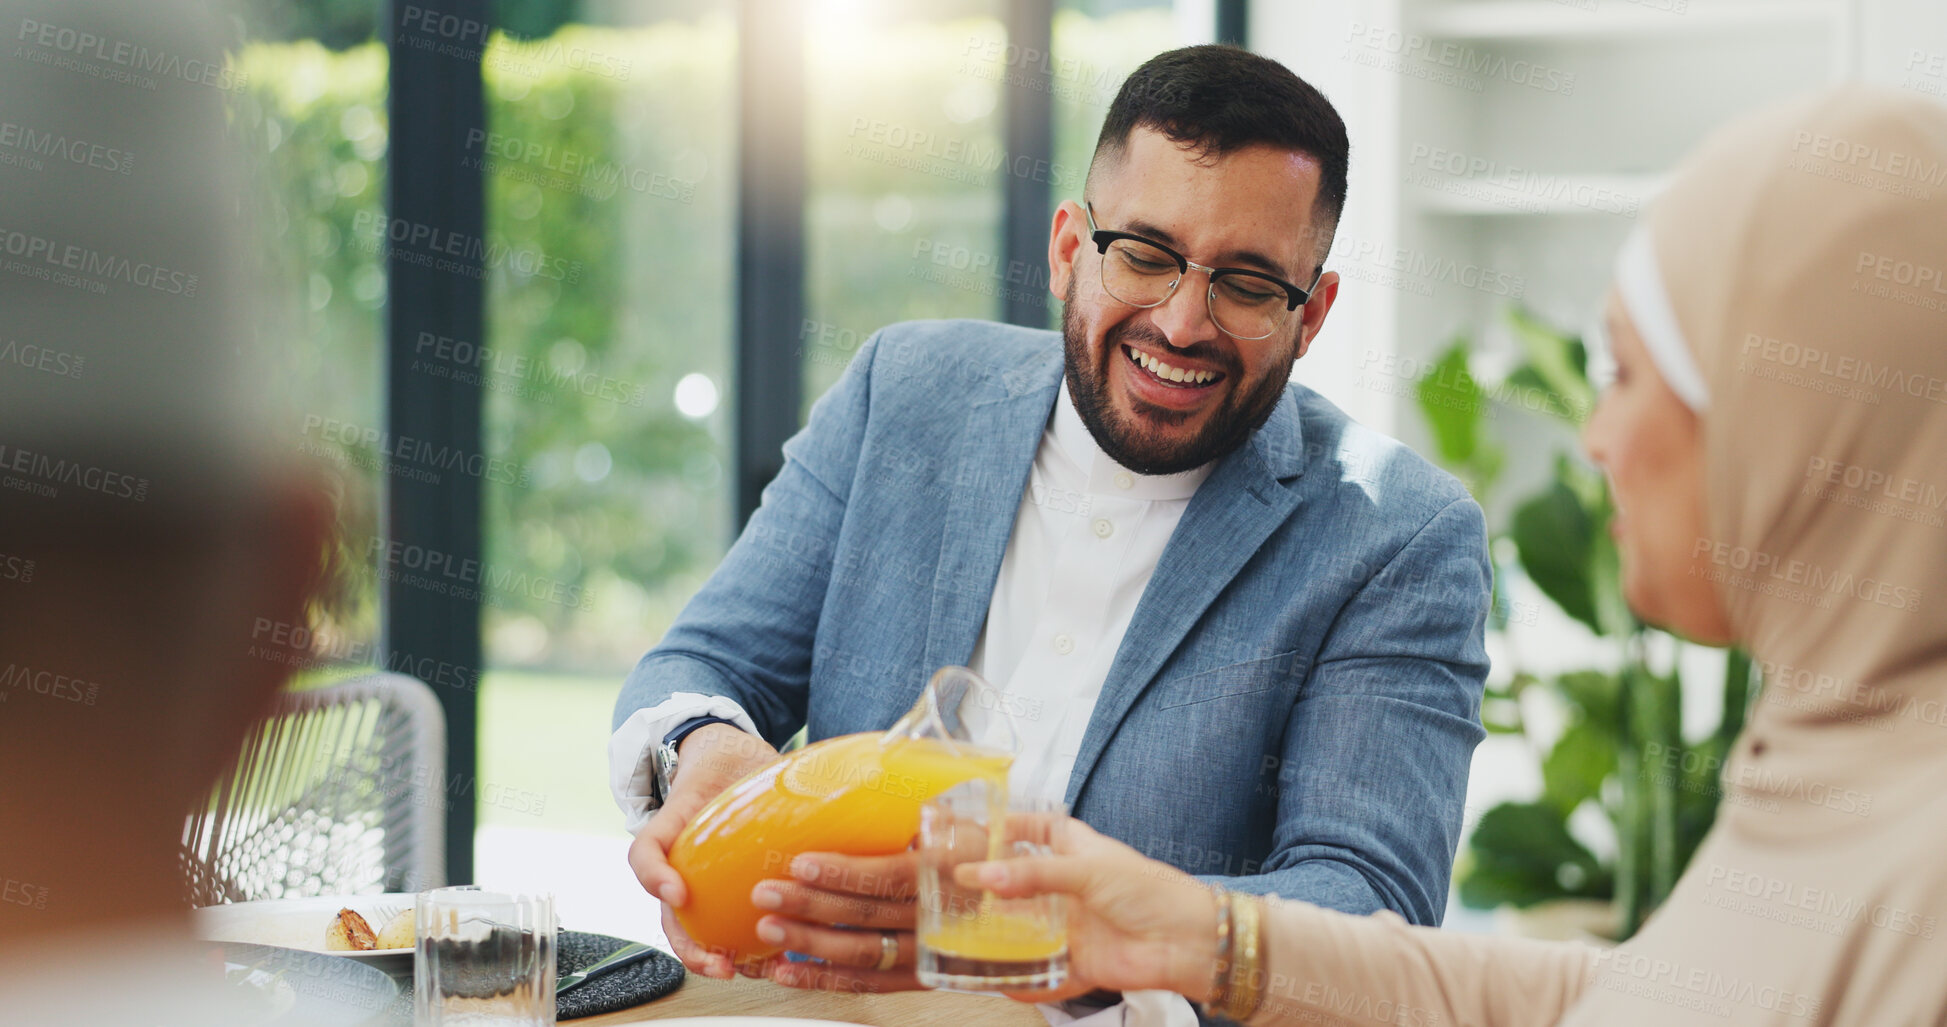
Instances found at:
x=1143 y=273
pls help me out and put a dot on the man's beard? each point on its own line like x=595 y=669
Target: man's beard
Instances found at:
x=1142 y=448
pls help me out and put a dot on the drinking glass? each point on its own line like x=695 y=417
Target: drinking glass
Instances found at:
x=969 y=939
x=485 y=958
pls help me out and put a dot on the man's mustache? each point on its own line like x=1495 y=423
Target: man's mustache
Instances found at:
x=1139 y=333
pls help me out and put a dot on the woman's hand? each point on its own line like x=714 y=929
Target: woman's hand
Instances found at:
x=1134 y=924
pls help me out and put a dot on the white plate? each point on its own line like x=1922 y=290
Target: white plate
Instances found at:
x=273 y=987
x=301 y=923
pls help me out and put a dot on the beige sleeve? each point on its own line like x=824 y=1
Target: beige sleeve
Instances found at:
x=1331 y=968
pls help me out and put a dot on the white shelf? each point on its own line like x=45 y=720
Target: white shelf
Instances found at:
x=1511 y=20
x=1532 y=194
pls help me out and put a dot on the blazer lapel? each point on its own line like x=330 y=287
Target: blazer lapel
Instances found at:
x=1235 y=510
x=985 y=478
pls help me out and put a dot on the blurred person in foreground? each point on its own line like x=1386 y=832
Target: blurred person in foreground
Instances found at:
x=144 y=527
x=1231 y=626
x=1784 y=512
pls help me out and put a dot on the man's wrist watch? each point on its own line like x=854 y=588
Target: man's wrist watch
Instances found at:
x=663 y=768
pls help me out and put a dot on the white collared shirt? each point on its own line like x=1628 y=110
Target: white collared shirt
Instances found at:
x=1086 y=539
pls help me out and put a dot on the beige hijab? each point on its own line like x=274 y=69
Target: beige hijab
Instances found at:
x=1804 y=256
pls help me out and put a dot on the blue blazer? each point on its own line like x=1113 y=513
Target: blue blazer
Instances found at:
x=1295 y=703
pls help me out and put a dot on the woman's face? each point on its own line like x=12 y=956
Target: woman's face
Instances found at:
x=1651 y=446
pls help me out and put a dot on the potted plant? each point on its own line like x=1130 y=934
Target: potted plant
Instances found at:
x=1622 y=747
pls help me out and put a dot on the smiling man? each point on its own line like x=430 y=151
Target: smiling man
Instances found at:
x=1232 y=628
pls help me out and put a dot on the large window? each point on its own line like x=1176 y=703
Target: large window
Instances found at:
x=910 y=165
x=905 y=159
x=606 y=154
x=608 y=353
x=609 y=161
x=311 y=101
x=1097 y=43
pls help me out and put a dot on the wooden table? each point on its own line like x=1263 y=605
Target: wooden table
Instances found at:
x=704 y=996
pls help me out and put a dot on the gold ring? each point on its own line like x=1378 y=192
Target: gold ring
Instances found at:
x=888 y=950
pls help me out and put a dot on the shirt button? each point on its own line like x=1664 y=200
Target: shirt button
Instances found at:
x=1103 y=529
x=1125 y=480
x=1064 y=645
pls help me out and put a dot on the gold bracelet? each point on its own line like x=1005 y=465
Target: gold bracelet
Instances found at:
x=1220 y=975
x=1245 y=990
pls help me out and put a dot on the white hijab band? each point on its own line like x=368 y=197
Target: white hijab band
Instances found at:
x=1639 y=281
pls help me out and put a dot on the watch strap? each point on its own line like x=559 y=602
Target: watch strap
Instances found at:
x=663 y=768
x=681 y=731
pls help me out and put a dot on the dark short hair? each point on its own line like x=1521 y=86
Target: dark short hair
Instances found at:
x=1216 y=99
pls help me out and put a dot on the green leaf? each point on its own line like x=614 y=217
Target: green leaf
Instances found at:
x=1559 y=362
x=1590 y=487
x=1527 y=379
x=1455 y=407
x=1521 y=853
x=1501 y=715
x=1595 y=695
x=1698 y=797
x=1555 y=538
x=1575 y=768
x=1526 y=388
x=1612 y=610
x=1737 y=694
x=1522 y=681
x=1596 y=698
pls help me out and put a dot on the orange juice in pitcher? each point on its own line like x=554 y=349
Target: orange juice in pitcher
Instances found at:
x=855 y=794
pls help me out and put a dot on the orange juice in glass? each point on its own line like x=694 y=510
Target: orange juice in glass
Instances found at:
x=856 y=794
x=970 y=939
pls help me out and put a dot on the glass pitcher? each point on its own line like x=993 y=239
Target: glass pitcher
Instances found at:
x=961 y=711
x=856 y=794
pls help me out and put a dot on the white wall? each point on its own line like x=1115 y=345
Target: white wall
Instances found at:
x=1308 y=37
x=1638 y=107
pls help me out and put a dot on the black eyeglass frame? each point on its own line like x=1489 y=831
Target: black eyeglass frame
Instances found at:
x=1295 y=297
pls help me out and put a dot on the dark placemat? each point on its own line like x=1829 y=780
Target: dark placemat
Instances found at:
x=650 y=979
x=630 y=986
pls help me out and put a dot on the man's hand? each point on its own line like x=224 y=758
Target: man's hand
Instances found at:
x=871 y=896
x=712 y=758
